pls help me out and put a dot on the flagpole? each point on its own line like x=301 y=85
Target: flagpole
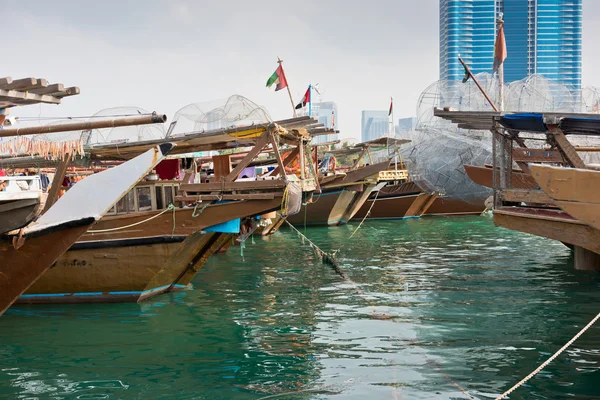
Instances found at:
x=500 y=23
x=477 y=83
x=393 y=135
x=280 y=61
x=310 y=100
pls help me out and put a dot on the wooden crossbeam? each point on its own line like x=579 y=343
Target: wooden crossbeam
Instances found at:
x=230 y=186
x=536 y=155
x=19 y=84
x=569 y=152
x=48 y=89
x=237 y=196
x=9 y=95
x=525 y=196
x=260 y=145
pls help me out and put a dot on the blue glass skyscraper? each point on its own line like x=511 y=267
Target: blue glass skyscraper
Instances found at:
x=542 y=36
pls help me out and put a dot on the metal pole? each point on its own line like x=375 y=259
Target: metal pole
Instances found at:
x=86 y=125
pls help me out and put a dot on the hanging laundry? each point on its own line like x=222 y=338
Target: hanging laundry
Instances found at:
x=168 y=169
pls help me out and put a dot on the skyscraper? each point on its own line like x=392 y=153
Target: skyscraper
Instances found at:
x=542 y=37
x=326 y=112
x=374 y=124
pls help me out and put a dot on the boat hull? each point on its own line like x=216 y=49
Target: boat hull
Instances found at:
x=334 y=207
x=20 y=268
x=573 y=190
x=17 y=214
x=126 y=270
x=395 y=201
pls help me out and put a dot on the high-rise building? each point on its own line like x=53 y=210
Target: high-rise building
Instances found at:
x=326 y=112
x=542 y=37
x=374 y=124
x=405 y=127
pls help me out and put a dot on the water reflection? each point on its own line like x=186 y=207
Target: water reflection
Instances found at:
x=435 y=309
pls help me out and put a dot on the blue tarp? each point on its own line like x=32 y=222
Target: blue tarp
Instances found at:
x=232 y=226
x=526 y=122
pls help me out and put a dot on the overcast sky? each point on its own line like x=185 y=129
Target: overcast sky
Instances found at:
x=163 y=55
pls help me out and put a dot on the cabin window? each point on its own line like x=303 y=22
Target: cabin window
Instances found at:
x=127 y=203
x=144 y=198
x=160 y=204
x=168 y=195
x=113 y=210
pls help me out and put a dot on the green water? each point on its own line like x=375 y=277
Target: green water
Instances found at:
x=433 y=303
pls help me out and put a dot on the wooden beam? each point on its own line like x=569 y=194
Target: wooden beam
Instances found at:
x=536 y=155
x=569 y=152
x=287 y=160
x=19 y=83
x=240 y=196
x=54 y=88
x=258 y=147
x=230 y=186
x=57 y=182
x=16 y=95
x=275 y=146
x=525 y=196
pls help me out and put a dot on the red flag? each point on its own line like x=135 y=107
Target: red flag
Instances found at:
x=499 y=49
x=278 y=77
x=305 y=99
x=391 y=106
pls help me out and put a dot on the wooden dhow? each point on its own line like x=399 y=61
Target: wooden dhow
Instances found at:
x=28 y=253
x=560 y=205
x=161 y=233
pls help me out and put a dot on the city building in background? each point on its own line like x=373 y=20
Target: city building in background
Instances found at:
x=406 y=127
x=326 y=112
x=374 y=124
x=542 y=37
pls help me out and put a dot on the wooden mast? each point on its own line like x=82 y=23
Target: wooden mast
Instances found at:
x=280 y=61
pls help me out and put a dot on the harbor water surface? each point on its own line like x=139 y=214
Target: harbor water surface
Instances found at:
x=436 y=308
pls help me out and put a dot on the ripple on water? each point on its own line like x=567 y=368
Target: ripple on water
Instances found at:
x=434 y=307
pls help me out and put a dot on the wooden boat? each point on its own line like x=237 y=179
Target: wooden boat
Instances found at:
x=144 y=246
x=565 y=208
x=20 y=201
x=574 y=190
x=407 y=200
x=341 y=197
x=484 y=176
x=29 y=253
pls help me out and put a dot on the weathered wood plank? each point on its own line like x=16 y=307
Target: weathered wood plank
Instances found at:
x=229 y=186
x=260 y=145
x=536 y=155
x=525 y=196
x=568 y=151
x=240 y=196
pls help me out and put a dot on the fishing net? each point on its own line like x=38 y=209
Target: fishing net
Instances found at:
x=439 y=148
x=123 y=134
x=234 y=111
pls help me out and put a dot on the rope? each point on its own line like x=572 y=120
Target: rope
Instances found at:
x=325 y=257
x=548 y=361
x=361 y=222
x=169 y=208
x=196 y=215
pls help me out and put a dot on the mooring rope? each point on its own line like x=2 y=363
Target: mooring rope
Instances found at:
x=325 y=257
x=361 y=222
x=548 y=361
x=171 y=207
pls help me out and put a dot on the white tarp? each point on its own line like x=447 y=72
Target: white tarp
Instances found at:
x=96 y=194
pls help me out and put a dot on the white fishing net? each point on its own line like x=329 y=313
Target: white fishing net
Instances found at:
x=123 y=134
x=439 y=149
x=234 y=111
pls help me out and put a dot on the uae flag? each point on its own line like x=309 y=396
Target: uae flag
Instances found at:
x=499 y=49
x=391 y=106
x=305 y=100
x=278 y=77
